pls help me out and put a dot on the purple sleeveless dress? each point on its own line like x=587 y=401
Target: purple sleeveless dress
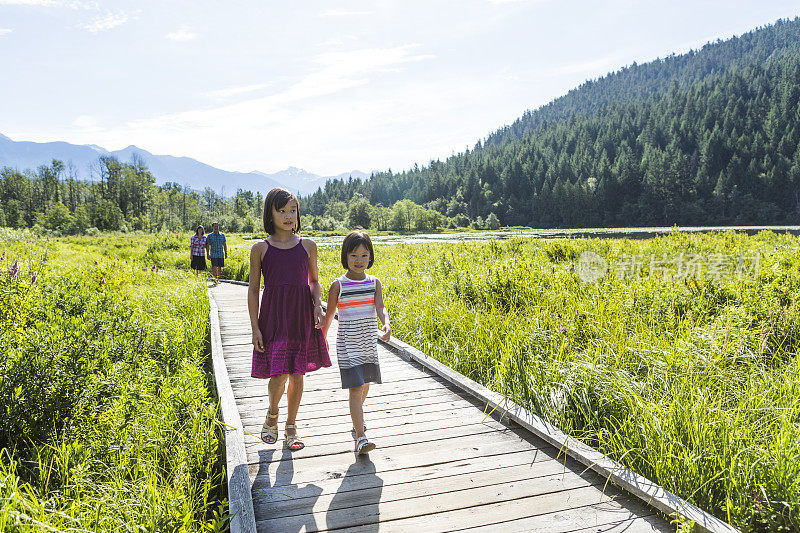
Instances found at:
x=292 y=345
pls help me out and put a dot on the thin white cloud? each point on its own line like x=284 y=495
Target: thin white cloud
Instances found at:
x=337 y=41
x=90 y=126
x=30 y=3
x=237 y=90
x=182 y=35
x=73 y=4
x=283 y=120
x=341 y=13
x=105 y=22
x=86 y=122
x=5 y=31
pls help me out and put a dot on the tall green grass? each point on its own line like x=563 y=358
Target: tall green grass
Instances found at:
x=107 y=420
x=692 y=382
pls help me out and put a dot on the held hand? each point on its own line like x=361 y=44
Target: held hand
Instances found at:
x=319 y=316
x=385 y=332
x=258 y=341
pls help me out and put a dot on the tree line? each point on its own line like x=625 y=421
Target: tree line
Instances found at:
x=120 y=197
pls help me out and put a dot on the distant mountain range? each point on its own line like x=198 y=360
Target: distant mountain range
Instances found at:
x=166 y=168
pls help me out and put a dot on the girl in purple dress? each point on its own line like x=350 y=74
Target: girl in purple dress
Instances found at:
x=287 y=335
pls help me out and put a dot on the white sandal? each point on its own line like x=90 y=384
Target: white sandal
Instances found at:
x=293 y=442
x=363 y=445
x=269 y=434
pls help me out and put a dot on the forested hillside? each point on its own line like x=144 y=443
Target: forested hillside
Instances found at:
x=708 y=137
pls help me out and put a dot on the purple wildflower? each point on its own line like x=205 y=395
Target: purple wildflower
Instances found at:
x=33 y=277
x=14 y=270
x=103 y=281
x=3 y=257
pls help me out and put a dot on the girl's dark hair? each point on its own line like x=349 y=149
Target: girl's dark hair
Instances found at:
x=200 y=227
x=353 y=240
x=277 y=198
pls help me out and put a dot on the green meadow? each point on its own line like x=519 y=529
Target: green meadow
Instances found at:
x=679 y=360
x=108 y=419
x=685 y=370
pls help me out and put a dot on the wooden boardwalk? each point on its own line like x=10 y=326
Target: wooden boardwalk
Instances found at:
x=441 y=464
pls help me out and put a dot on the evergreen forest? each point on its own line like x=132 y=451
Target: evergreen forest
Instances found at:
x=704 y=138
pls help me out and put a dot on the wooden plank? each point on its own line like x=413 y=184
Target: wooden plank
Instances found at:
x=443 y=471
x=548 y=473
x=240 y=502
x=240 y=370
x=253 y=412
x=314 y=435
x=567 y=511
x=397 y=417
x=255 y=387
x=604 y=520
x=287 y=471
x=255 y=408
x=323 y=446
x=375 y=400
x=384 y=404
x=445 y=511
x=332 y=385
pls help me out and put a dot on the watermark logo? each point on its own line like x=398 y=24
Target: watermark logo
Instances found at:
x=592 y=266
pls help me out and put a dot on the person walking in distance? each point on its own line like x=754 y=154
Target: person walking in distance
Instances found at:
x=217 y=248
x=197 y=246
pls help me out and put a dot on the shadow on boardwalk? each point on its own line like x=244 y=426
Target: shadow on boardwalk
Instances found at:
x=282 y=485
x=358 y=497
x=290 y=507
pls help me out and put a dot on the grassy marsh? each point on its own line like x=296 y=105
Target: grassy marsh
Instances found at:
x=108 y=422
x=690 y=378
x=692 y=381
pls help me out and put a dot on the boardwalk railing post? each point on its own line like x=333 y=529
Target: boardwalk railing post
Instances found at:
x=240 y=499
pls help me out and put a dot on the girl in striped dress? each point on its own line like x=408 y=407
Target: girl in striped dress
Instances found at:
x=359 y=299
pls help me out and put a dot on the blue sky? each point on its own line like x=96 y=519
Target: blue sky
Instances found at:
x=325 y=86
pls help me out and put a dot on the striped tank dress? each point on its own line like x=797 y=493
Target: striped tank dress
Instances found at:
x=357 y=340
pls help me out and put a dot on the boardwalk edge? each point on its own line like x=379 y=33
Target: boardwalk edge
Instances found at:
x=641 y=487
x=240 y=499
